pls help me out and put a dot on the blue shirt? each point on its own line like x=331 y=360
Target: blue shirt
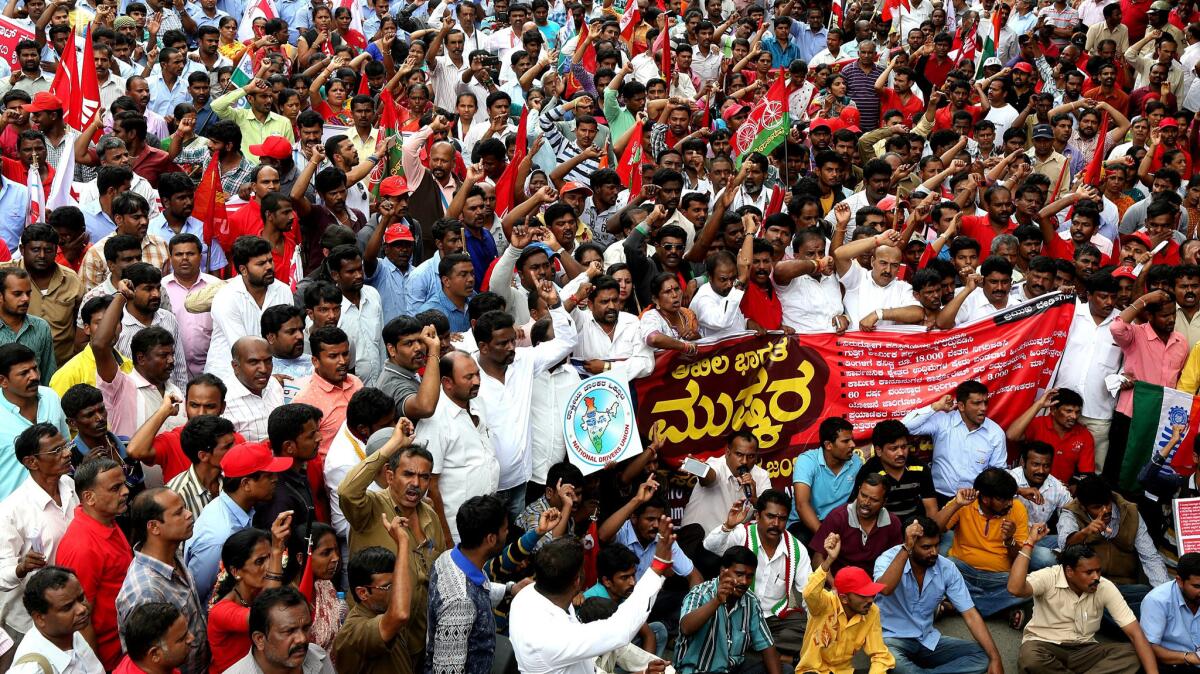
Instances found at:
x=49 y=410
x=217 y=522
x=959 y=454
x=98 y=224
x=828 y=490
x=14 y=211
x=680 y=562
x=163 y=99
x=391 y=283
x=423 y=282
x=811 y=41
x=908 y=612
x=781 y=56
x=721 y=643
x=1167 y=621
x=459 y=322
x=298 y=14
x=159 y=227
x=482 y=251
x=597 y=591
x=237 y=8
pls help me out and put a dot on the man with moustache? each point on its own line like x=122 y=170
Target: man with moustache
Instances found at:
x=1069 y=600
x=283 y=328
x=280 y=622
x=1043 y=495
x=609 y=339
x=808 y=290
x=708 y=616
x=986 y=293
x=915 y=580
x=157 y=640
x=717 y=304
x=910 y=485
x=783 y=563
x=252 y=392
x=61 y=613
x=876 y=290
x=238 y=306
x=864 y=526
x=144 y=310
x=432 y=188
x=96 y=549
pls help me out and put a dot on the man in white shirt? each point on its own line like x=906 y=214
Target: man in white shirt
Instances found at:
x=610 y=340
x=547 y=609
x=506 y=388
x=252 y=391
x=808 y=291
x=732 y=478
x=717 y=304
x=33 y=518
x=54 y=599
x=237 y=307
x=445 y=72
x=362 y=312
x=457 y=435
x=370 y=410
x=878 y=289
x=1090 y=356
x=986 y=293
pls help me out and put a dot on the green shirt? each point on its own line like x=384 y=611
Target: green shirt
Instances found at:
x=35 y=334
x=253 y=131
x=619 y=119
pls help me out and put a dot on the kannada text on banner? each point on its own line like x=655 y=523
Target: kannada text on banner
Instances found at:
x=780 y=387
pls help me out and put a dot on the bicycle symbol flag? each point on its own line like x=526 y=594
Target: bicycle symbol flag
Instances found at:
x=599 y=426
x=768 y=123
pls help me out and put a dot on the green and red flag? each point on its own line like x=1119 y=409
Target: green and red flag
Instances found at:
x=768 y=123
x=630 y=166
x=392 y=163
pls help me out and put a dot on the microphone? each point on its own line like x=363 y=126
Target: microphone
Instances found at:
x=742 y=470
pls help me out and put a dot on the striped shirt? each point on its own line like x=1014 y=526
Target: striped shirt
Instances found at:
x=861 y=88
x=231 y=180
x=248 y=411
x=94 y=269
x=720 y=644
x=150 y=580
x=565 y=148
x=194 y=494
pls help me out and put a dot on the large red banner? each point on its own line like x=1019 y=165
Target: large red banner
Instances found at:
x=781 y=387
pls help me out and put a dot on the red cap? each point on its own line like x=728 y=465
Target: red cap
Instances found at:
x=1166 y=121
x=398 y=232
x=393 y=186
x=573 y=186
x=850 y=118
x=275 y=147
x=1124 y=272
x=1023 y=67
x=252 y=457
x=44 y=102
x=1140 y=237
x=887 y=203
x=734 y=110
x=853 y=580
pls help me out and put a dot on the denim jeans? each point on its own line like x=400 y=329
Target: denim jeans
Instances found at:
x=952 y=656
x=660 y=638
x=513 y=500
x=989 y=589
x=1043 y=555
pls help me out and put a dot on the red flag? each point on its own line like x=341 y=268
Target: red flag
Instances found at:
x=90 y=94
x=506 y=185
x=775 y=205
x=630 y=166
x=210 y=203
x=589 y=56
x=890 y=5
x=591 y=551
x=308 y=584
x=66 y=85
x=1092 y=175
x=364 y=89
x=666 y=65
x=629 y=22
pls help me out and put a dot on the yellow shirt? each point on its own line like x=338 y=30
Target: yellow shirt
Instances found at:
x=832 y=637
x=979 y=541
x=81 y=370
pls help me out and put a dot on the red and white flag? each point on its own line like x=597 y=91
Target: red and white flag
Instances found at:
x=629 y=22
x=254 y=9
x=37 y=195
x=60 y=186
x=356 y=35
x=88 y=91
x=630 y=167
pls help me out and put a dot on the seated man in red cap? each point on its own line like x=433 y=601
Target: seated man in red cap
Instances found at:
x=843 y=620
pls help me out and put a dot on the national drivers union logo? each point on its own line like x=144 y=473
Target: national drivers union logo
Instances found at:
x=599 y=424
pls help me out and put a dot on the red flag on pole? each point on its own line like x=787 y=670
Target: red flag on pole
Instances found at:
x=629 y=22
x=506 y=185
x=630 y=166
x=66 y=85
x=90 y=90
x=1092 y=175
x=210 y=204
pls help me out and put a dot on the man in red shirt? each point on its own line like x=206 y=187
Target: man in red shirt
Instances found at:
x=205 y=394
x=902 y=97
x=98 y=552
x=248 y=221
x=1085 y=222
x=960 y=95
x=997 y=201
x=157 y=640
x=1074 y=447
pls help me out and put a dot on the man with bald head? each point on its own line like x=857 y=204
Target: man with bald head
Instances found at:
x=877 y=290
x=432 y=189
x=253 y=392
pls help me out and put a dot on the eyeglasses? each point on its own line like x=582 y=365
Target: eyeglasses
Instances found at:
x=66 y=447
x=381 y=588
x=672 y=246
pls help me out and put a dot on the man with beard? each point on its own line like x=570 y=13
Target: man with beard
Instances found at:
x=958 y=449
x=112 y=151
x=984 y=294
x=1057 y=639
x=432 y=188
x=1043 y=495
x=609 y=339
x=17 y=326
x=751 y=192
x=930 y=293
x=393 y=233
x=843 y=620
x=669 y=244
x=200 y=89
x=283 y=328
x=59 y=288
x=878 y=289
x=178 y=195
x=98 y=551
x=424 y=281
x=163 y=523
x=1187 y=297
x=30 y=78
x=864 y=526
x=915 y=580
x=910 y=487
x=708 y=615
x=1108 y=91
x=411 y=347
x=237 y=307
x=1074 y=447
x=808 y=290
x=1116 y=530
x=1039 y=279
x=506 y=379
x=130 y=213
x=997 y=201
x=144 y=310
x=717 y=304
x=293 y=435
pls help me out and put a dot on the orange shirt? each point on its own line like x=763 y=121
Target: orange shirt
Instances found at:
x=979 y=541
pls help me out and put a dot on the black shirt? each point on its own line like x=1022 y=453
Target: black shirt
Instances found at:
x=904 y=499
